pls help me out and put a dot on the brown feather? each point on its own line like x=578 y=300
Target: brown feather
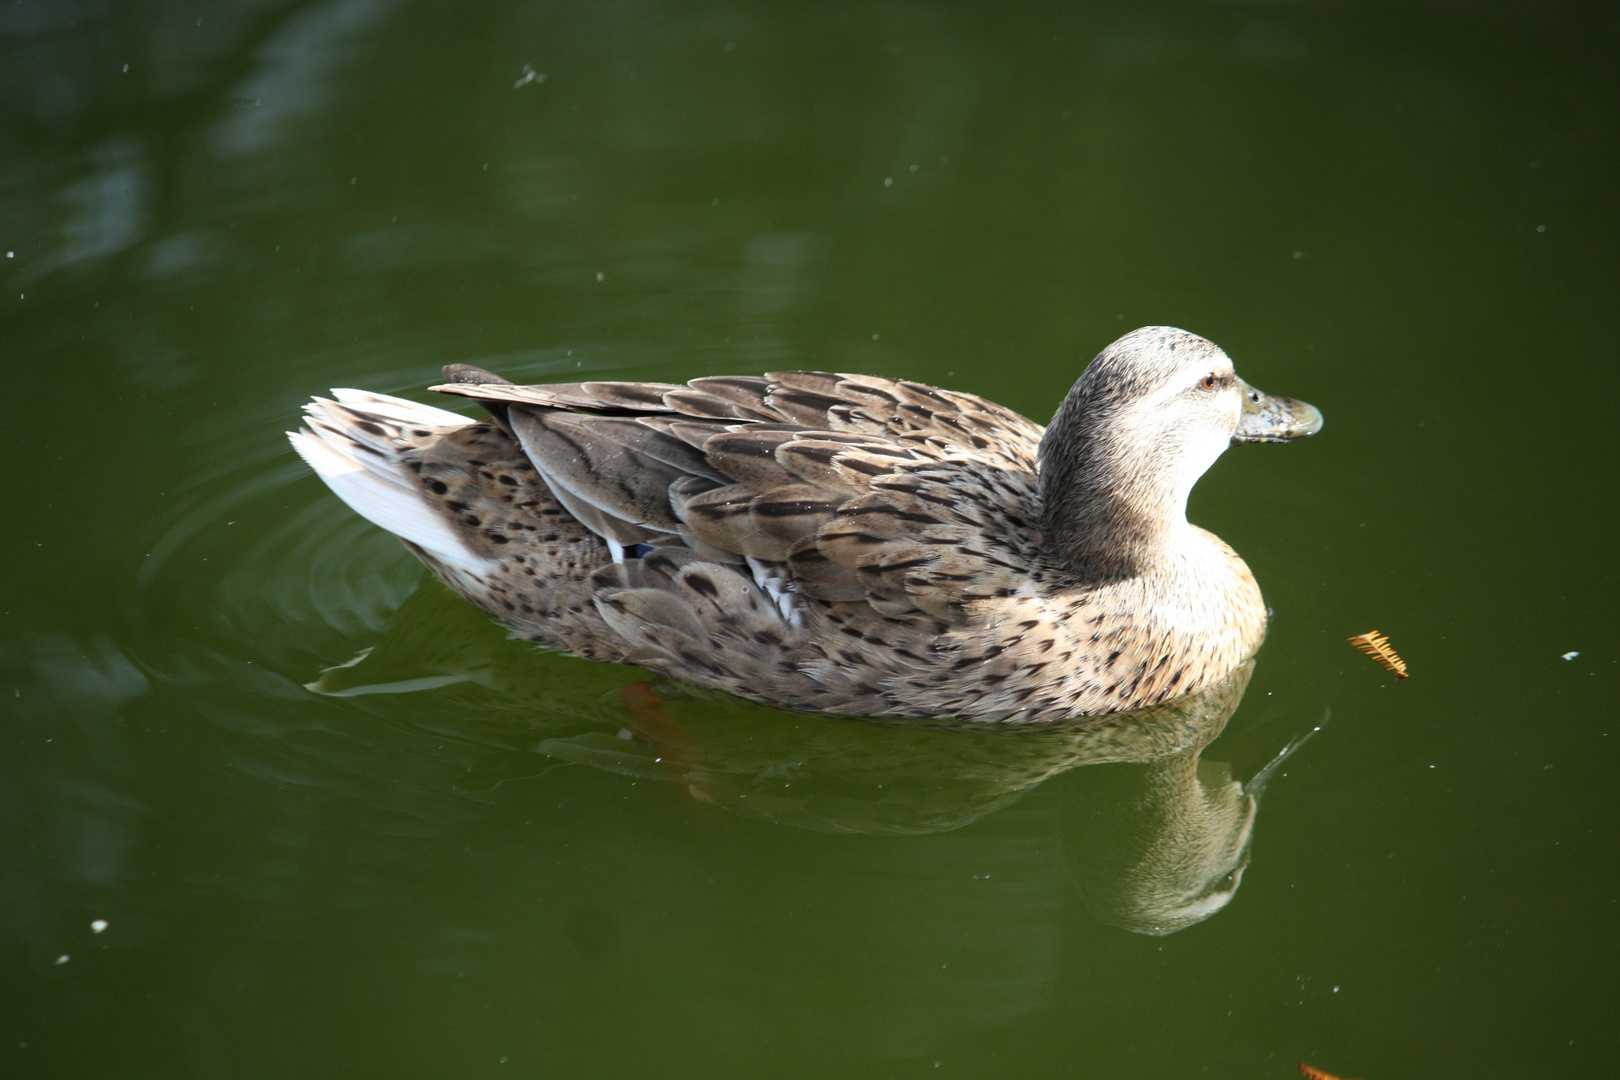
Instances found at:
x=748 y=456
x=597 y=396
x=819 y=576
x=707 y=404
x=595 y=461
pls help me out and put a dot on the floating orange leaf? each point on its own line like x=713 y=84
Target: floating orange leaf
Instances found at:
x=1314 y=1073
x=1376 y=645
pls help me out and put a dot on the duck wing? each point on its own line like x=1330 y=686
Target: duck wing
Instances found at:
x=912 y=412
x=914 y=500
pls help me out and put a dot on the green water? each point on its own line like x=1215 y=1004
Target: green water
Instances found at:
x=1404 y=214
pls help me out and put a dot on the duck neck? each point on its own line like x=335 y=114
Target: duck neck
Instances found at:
x=1106 y=514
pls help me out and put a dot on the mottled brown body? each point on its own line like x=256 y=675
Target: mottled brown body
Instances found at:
x=857 y=545
x=985 y=629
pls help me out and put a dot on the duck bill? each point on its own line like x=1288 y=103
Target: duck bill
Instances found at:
x=1274 y=419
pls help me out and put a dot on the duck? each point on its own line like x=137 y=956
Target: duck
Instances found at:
x=844 y=543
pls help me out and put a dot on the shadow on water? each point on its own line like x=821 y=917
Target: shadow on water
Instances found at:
x=1157 y=843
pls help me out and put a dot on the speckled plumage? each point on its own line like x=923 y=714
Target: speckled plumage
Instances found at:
x=858 y=545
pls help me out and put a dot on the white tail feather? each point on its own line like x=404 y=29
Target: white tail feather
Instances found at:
x=399 y=409
x=375 y=487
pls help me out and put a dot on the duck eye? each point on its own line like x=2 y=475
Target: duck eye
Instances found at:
x=1208 y=381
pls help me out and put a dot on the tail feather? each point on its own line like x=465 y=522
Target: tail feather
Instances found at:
x=357 y=445
x=399 y=409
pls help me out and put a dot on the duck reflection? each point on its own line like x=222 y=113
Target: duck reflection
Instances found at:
x=1155 y=843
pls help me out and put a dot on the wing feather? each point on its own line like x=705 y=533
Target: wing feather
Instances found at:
x=604 y=461
x=917 y=501
x=596 y=396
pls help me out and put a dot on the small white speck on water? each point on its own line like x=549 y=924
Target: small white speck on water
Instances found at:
x=1571 y=655
x=888 y=181
x=62 y=959
x=624 y=733
x=11 y=254
x=1541 y=228
x=601 y=276
x=1434 y=766
x=486 y=167
x=874 y=337
x=505 y=1060
x=126 y=69
x=529 y=76
x=1299 y=254
x=353 y=180
x=914 y=168
x=1335 y=989
x=98 y=925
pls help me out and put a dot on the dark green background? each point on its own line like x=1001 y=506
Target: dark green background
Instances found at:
x=1403 y=213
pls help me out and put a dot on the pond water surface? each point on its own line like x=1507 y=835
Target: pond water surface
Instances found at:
x=224 y=854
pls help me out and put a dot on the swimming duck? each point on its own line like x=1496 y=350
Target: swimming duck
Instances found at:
x=844 y=543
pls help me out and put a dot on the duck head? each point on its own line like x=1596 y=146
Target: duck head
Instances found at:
x=1144 y=421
